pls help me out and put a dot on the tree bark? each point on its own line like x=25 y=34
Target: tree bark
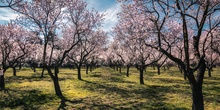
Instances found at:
x=119 y=69
x=79 y=72
x=56 y=70
x=14 y=71
x=90 y=67
x=20 y=66
x=57 y=86
x=42 y=73
x=158 y=70
x=55 y=78
x=209 y=72
x=2 y=82
x=141 y=75
x=184 y=75
x=87 y=68
x=2 y=78
x=197 y=95
x=181 y=70
x=128 y=67
x=197 y=98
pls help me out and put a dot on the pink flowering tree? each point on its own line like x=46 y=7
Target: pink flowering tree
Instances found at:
x=91 y=42
x=194 y=18
x=212 y=57
x=42 y=16
x=61 y=24
x=215 y=41
x=16 y=44
x=133 y=31
x=95 y=58
x=123 y=49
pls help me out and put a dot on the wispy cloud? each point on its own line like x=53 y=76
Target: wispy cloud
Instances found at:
x=6 y=15
x=110 y=8
x=111 y=17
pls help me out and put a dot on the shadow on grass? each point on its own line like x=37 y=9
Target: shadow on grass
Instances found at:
x=24 y=99
x=154 y=96
x=64 y=100
x=20 y=79
x=211 y=95
x=132 y=97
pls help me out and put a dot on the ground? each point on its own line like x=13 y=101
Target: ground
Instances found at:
x=105 y=88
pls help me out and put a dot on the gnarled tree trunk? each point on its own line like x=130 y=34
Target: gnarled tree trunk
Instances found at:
x=55 y=80
x=57 y=86
x=196 y=86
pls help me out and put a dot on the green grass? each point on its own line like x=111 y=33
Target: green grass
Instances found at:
x=105 y=88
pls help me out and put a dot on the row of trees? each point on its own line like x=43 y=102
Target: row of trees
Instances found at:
x=149 y=32
x=53 y=33
x=185 y=32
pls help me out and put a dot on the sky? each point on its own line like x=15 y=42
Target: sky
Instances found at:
x=109 y=7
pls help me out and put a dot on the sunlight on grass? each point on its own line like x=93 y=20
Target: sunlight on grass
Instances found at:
x=106 y=88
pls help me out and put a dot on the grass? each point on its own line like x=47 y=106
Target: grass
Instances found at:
x=105 y=88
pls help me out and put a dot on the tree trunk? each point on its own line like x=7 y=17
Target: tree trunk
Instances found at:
x=181 y=70
x=168 y=67
x=164 y=68
x=128 y=67
x=56 y=70
x=20 y=66
x=14 y=71
x=34 y=69
x=79 y=72
x=55 y=79
x=2 y=82
x=158 y=70
x=57 y=85
x=87 y=69
x=197 y=95
x=197 y=98
x=119 y=69
x=185 y=76
x=141 y=75
x=2 y=79
x=42 y=73
x=209 y=71
x=90 y=67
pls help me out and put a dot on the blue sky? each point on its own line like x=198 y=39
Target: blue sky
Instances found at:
x=110 y=7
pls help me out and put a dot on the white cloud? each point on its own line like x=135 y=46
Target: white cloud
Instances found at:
x=110 y=8
x=6 y=15
x=111 y=17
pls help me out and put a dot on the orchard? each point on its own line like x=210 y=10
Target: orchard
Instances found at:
x=161 y=54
